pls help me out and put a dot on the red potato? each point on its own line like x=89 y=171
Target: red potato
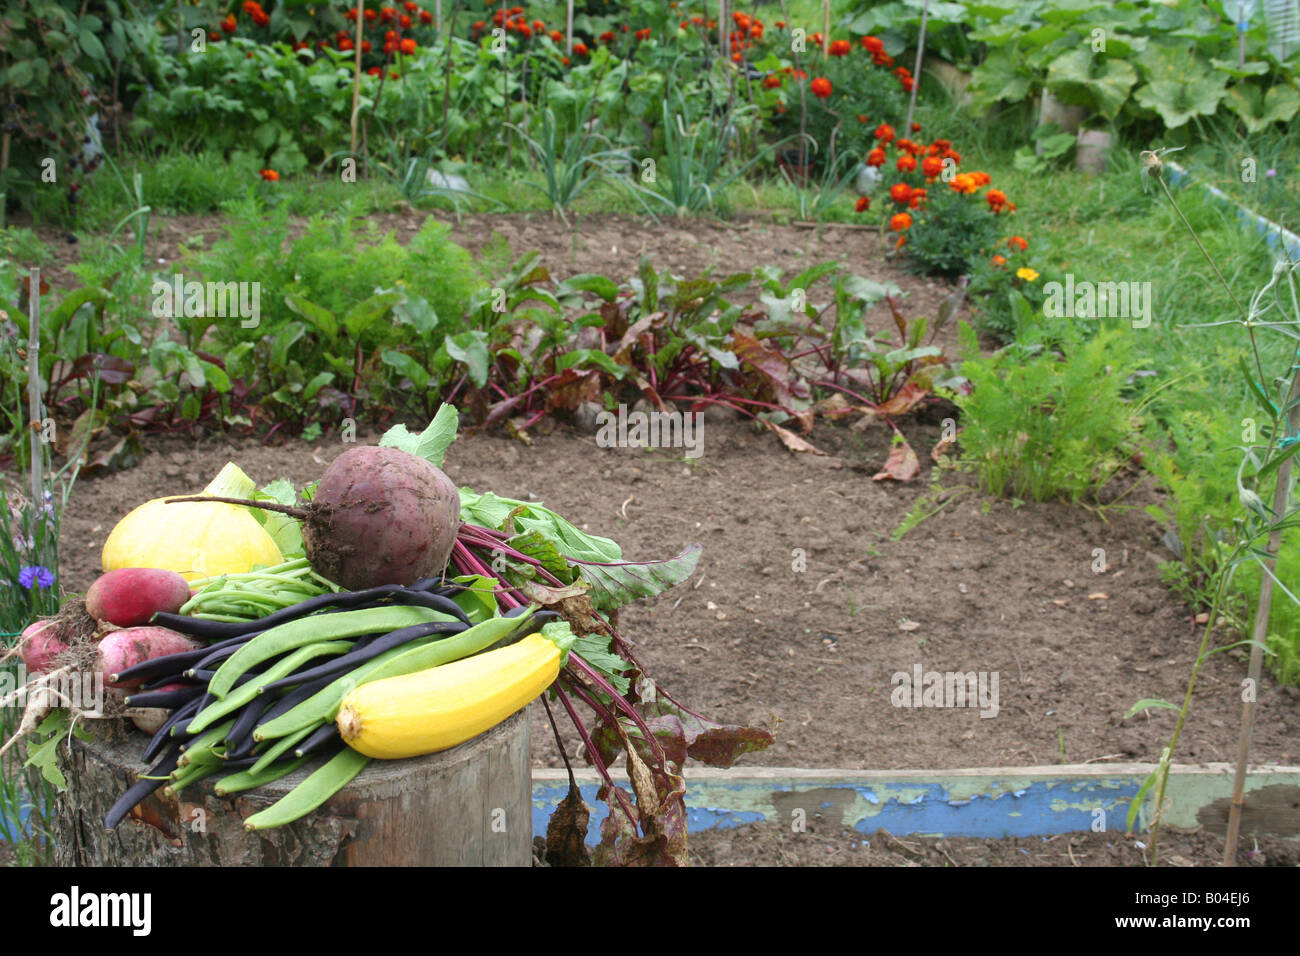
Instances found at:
x=130 y=597
x=40 y=643
x=135 y=645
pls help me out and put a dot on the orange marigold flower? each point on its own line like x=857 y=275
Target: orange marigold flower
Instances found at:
x=405 y=21
x=918 y=197
x=996 y=198
x=862 y=118
x=962 y=183
x=375 y=71
x=372 y=15
x=229 y=24
x=863 y=204
x=1018 y=242
x=999 y=260
x=345 y=44
x=539 y=26
x=736 y=57
x=821 y=87
x=557 y=36
x=580 y=49
x=252 y=6
x=840 y=47
x=566 y=60
x=981 y=179
x=780 y=24
x=953 y=155
x=408 y=46
x=771 y=81
x=932 y=167
x=916 y=127
x=607 y=37
x=907 y=146
x=876 y=157
x=410 y=6
x=885 y=133
x=270 y=175
x=900 y=221
x=900 y=192
x=426 y=16
x=874 y=44
x=260 y=19
x=908 y=83
x=756 y=32
x=906 y=163
x=388 y=14
x=817 y=39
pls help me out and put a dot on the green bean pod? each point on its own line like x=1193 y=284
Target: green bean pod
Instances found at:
x=318 y=627
x=199 y=750
x=329 y=779
x=247 y=779
x=281 y=745
x=248 y=691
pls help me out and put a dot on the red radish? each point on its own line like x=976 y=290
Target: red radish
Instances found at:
x=41 y=643
x=379 y=516
x=130 y=597
x=135 y=645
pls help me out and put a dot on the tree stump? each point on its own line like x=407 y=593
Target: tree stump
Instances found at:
x=468 y=806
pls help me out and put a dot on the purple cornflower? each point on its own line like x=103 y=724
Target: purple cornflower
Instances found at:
x=35 y=574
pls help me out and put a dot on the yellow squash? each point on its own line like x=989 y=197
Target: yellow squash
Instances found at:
x=196 y=539
x=443 y=706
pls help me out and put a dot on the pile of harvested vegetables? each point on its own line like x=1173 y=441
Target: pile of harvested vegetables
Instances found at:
x=387 y=616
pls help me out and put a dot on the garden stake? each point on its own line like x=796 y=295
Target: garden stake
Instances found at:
x=1280 y=494
x=916 y=68
x=356 y=75
x=34 y=379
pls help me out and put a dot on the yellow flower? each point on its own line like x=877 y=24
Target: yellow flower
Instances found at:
x=1029 y=275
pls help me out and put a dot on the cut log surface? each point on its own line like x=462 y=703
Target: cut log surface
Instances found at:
x=468 y=806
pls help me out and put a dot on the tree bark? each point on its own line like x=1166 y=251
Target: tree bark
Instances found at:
x=468 y=806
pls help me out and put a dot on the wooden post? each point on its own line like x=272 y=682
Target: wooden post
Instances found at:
x=356 y=75
x=1260 y=635
x=916 y=69
x=826 y=27
x=180 y=30
x=724 y=33
x=568 y=30
x=34 y=382
x=437 y=17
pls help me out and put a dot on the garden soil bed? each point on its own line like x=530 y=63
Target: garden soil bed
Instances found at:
x=983 y=585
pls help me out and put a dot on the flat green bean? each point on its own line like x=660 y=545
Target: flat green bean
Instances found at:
x=247 y=780
x=317 y=627
x=246 y=692
x=335 y=774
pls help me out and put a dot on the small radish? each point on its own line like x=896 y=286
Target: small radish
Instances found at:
x=134 y=645
x=41 y=643
x=130 y=597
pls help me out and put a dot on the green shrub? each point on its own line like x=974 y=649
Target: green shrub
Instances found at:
x=1041 y=423
x=953 y=233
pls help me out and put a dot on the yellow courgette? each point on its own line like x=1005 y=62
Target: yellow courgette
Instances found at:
x=443 y=706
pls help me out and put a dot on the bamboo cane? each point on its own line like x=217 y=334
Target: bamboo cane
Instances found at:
x=34 y=382
x=1260 y=634
x=916 y=68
